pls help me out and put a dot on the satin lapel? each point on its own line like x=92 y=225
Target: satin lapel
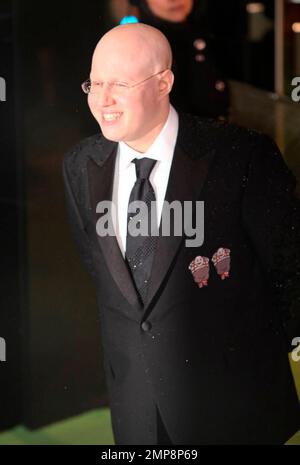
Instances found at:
x=101 y=176
x=186 y=181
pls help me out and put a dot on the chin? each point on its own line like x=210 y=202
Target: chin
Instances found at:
x=109 y=135
x=177 y=19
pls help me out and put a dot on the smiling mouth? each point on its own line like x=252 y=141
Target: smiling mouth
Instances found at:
x=111 y=117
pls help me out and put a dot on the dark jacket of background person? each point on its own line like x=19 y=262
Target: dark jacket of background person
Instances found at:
x=200 y=87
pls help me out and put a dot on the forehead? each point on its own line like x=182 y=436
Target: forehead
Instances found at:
x=115 y=60
x=113 y=69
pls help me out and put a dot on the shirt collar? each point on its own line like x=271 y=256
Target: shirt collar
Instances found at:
x=162 y=148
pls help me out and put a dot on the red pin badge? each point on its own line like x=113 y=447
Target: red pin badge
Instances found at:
x=199 y=268
x=221 y=261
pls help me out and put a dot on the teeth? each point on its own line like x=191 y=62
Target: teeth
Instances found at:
x=111 y=116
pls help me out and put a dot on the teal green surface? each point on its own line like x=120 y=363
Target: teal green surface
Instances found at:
x=91 y=428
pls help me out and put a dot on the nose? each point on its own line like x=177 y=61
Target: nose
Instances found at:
x=104 y=97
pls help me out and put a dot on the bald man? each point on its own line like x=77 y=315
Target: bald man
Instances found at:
x=195 y=334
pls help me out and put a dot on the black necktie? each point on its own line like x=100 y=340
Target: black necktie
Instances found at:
x=140 y=249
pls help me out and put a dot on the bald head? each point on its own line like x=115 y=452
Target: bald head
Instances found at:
x=141 y=46
x=132 y=63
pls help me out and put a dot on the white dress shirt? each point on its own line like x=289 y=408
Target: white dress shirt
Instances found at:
x=162 y=150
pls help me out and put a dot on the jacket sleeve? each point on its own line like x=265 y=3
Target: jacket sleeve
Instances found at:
x=271 y=216
x=78 y=232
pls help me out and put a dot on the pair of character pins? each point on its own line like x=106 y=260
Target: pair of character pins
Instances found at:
x=199 y=267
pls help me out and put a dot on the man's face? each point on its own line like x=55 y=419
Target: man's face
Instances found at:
x=124 y=114
x=171 y=10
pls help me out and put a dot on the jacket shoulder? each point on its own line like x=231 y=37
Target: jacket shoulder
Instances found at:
x=76 y=156
x=203 y=135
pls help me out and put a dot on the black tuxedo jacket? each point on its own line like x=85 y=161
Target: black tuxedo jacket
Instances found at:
x=213 y=360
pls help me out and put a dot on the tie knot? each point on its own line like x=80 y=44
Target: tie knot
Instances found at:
x=143 y=167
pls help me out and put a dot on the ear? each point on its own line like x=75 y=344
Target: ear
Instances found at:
x=166 y=83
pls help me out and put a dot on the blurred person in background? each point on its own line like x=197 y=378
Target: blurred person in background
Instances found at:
x=200 y=87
